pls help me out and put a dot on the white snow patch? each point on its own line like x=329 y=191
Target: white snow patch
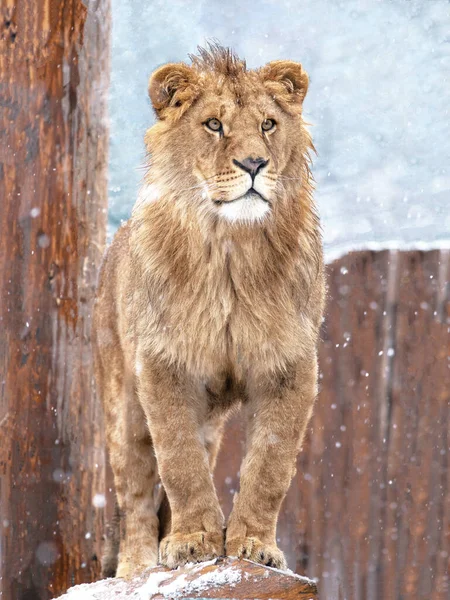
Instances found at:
x=99 y=501
x=107 y=589
x=228 y=576
x=180 y=586
x=173 y=588
x=332 y=254
x=151 y=586
x=199 y=566
x=82 y=592
x=287 y=572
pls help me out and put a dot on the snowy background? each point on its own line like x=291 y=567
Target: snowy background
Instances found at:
x=379 y=100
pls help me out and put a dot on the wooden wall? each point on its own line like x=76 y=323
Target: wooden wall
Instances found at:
x=54 y=73
x=369 y=510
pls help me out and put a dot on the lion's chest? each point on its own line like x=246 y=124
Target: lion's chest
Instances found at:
x=223 y=320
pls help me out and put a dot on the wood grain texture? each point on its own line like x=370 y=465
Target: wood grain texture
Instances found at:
x=222 y=578
x=54 y=57
x=368 y=513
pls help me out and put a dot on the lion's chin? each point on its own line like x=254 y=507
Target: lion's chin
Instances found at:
x=250 y=208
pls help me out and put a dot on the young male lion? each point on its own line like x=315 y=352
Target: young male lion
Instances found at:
x=211 y=297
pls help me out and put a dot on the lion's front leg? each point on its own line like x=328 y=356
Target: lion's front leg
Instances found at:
x=278 y=413
x=174 y=415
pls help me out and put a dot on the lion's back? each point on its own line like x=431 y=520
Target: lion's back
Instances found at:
x=108 y=316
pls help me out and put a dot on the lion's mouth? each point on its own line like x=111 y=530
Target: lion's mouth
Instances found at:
x=248 y=194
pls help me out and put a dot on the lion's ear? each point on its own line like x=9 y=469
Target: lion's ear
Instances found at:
x=286 y=81
x=172 y=86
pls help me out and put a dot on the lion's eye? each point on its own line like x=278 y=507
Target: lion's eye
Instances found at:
x=214 y=124
x=268 y=124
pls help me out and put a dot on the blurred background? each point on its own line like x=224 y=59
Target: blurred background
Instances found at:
x=378 y=102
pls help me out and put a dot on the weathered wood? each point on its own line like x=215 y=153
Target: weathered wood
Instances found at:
x=222 y=578
x=53 y=157
x=368 y=513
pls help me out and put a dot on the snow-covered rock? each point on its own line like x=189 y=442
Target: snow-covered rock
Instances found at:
x=221 y=578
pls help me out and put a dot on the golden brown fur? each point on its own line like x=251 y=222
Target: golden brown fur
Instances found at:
x=211 y=297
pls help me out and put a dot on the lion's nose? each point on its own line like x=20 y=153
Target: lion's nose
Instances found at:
x=252 y=165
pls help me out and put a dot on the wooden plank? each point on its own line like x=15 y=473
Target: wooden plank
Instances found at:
x=441 y=321
x=53 y=159
x=368 y=513
x=345 y=462
x=416 y=470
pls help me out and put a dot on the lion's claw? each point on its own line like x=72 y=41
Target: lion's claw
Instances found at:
x=178 y=549
x=252 y=548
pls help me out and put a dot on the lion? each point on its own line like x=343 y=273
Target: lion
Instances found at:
x=210 y=298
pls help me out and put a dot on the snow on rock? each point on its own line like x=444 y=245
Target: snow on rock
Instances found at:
x=154 y=585
x=107 y=589
x=211 y=579
x=231 y=577
x=182 y=586
x=151 y=586
x=269 y=570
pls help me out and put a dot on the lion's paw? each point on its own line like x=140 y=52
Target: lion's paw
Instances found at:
x=178 y=549
x=252 y=548
x=128 y=569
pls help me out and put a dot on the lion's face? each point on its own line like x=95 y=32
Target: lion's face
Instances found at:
x=232 y=137
x=242 y=150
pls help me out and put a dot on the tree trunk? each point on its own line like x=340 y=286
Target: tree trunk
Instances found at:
x=53 y=162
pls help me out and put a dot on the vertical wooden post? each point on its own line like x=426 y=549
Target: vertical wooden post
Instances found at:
x=54 y=58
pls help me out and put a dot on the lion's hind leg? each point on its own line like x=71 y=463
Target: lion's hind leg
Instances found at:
x=135 y=471
x=112 y=544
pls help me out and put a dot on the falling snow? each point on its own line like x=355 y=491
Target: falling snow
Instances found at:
x=378 y=101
